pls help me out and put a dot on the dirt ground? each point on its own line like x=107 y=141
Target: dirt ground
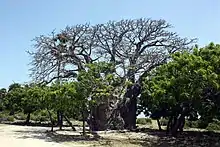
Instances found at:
x=29 y=136
x=26 y=136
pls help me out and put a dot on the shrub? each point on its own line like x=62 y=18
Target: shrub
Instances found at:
x=43 y=118
x=43 y=113
x=213 y=127
x=10 y=118
x=20 y=116
x=144 y=121
x=2 y=115
x=191 y=124
x=163 y=122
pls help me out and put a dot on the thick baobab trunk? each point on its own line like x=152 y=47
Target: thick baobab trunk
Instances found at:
x=99 y=118
x=129 y=114
x=28 y=119
x=130 y=106
x=105 y=116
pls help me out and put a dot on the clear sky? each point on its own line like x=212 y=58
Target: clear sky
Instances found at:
x=22 y=20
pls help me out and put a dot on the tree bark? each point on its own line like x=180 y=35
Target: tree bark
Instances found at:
x=177 y=124
x=84 y=127
x=28 y=119
x=159 y=125
x=60 y=119
x=51 y=120
x=130 y=115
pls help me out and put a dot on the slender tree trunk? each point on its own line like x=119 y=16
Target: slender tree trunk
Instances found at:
x=169 y=124
x=58 y=118
x=61 y=120
x=28 y=119
x=51 y=120
x=159 y=125
x=69 y=122
x=84 y=127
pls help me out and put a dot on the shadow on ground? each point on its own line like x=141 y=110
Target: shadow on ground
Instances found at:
x=185 y=139
x=56 y=137
x=155 y=139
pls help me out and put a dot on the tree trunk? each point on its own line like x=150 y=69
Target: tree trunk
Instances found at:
x=51 y=120
x=177 y=125
x=69 y=122
x=168 y=125
x=28 y=119
x=60 y=119
x=159 y=125
x=84 y=126
x=130 y=115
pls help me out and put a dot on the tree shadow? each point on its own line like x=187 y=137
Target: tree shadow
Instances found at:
x=49 y=136
x=153 y=138
x=185 y=139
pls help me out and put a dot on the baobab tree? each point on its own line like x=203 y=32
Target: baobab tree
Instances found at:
x=135 y=47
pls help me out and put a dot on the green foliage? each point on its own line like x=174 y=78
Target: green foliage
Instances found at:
x=99 y=82
x=213 y=127
x=10 y=118
x=3 y=115
x=191 y=124
x=20 y=116
x=191 y=78
x=144 y=121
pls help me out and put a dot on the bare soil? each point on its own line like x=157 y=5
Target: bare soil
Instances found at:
x=29 y=136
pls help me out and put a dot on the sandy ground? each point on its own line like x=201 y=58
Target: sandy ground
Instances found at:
x=26 y=136
x=21 y=136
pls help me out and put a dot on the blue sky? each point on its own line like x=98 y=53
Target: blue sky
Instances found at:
x=22 y=20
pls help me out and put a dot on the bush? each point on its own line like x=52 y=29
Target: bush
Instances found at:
x=2 y=115
x=41 y=116
x=38 y=117
x=10 y=118
x=191 y=124
x=44 y=118
x=163 y=122
x=213 y=127
x=144 y=121
x=20 y=116
x=43 y=113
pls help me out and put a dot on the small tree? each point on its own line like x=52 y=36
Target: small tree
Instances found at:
x=31 y=100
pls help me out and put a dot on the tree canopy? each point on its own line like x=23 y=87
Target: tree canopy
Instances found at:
x=189 y=81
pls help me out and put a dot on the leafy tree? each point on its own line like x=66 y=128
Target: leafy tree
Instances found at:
x=13 y=98
x=3 y=93
x=135 y=47
x=187 y=84
x=31 y=100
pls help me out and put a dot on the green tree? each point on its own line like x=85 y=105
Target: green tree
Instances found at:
x=187 y=84
x=3 y=93
x=13 y=98
x=31 y=100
